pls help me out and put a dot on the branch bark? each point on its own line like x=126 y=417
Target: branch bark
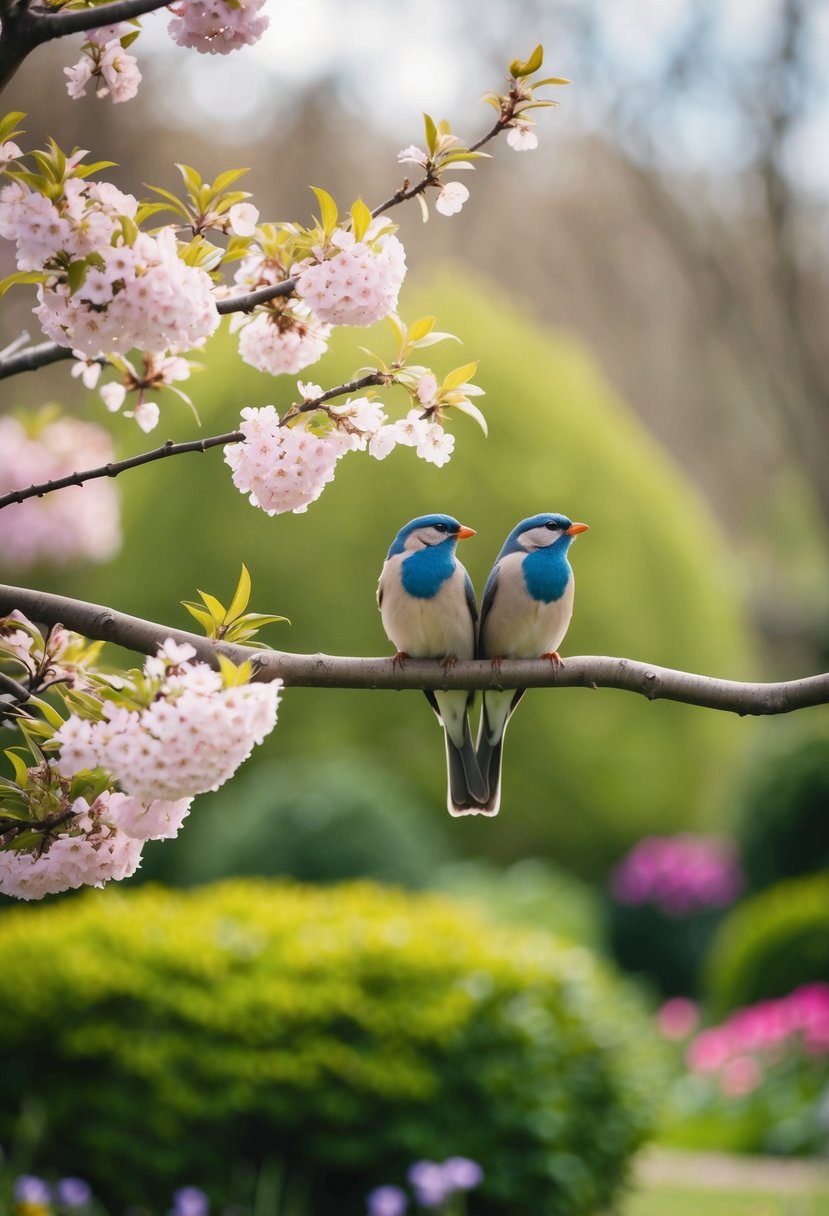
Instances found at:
x=333 y=671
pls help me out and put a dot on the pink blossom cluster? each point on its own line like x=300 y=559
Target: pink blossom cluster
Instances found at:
x=216 y=27
x=281 y=340
x=431 y=442
x=82 y=523
x=99 y=843
x=679 y=875
x=61 y=655
x=352 y=282
x=89 y=852
x=135 y=290
x=739 y=1051
x=282 y=468
x=190 y=738
x=104 y=59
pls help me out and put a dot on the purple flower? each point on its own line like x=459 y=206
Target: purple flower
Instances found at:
x=29 y=1189
x=431 y=1186
x=462 y=1174
x=386 y=1201
x=190 y=1201
x=679 y=875
x=73 y=1193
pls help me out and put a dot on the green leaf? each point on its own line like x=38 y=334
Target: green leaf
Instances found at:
x=472 y=410
x=215 y=607
x=76 y=274
x=49 y=712
x=204 y=618
x=97 y=166
x=459 y=376
x=419 y=329
x=129 y=39
x=517 y=68
x=360 y=219
x=240 y=596
x=431 y=133
x=8 y=123
x=21 y=769
x=551 y=80
x=21 y=276
x=192 y=178
x=263 y=618
x=328 y=210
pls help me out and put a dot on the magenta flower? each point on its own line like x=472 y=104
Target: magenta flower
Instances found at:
x=679 y=875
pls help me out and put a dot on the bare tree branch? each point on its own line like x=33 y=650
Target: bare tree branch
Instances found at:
x=12 y=688
x=333 y=671
x=48 y=24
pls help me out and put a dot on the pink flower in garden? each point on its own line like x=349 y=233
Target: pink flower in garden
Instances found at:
x=82 y=523
x=677 y=1018
x=359 y=283
x=191 y=738
x=679 y=875
x=709 y=1050
x=214 y=27
x=282 y=468
x=740 y=1075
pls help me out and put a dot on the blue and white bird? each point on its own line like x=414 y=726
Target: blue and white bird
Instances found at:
x=525 y=612
x=428 y=608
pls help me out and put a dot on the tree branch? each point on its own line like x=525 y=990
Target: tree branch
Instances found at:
x=48 y=24
x=32 y=358
x=333 y=671
x=12 y=688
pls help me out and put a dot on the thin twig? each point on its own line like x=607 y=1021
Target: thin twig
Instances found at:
x=48 y=24
x=334 y=671
x=20 y=693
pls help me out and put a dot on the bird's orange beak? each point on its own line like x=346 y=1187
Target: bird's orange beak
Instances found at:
x=574 y=529
x=464 y=533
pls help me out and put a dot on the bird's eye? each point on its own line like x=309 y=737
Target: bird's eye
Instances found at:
x=553 y=527
x=440 y=527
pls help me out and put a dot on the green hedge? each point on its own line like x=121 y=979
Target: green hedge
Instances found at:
x=771 y=944
x=188 y=1037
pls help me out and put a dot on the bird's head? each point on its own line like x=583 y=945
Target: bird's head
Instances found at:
x=542 y=531
x=427 y=531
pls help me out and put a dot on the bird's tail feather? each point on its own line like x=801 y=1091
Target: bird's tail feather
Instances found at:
x=490 y=752
x=466 y=785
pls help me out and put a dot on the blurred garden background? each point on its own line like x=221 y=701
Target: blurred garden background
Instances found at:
x=323 y=978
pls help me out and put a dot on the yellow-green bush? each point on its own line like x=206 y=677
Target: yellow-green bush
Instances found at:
x=178 y=1037
x=771 y=944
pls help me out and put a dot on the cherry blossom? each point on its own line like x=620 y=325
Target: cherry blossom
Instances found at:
x=282 y=468
x=353 y=282
x=104 y=59
x=413 y=156
x=82 y=523
x=437 y=445
x=521 y=136
x=451 y=198
x=192 y=737
x=89 y=851
x=215 y=27
x=283 y=338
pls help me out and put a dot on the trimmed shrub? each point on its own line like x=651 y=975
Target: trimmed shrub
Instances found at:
x=771 y=944
x=784 y=827
x=194 y=1036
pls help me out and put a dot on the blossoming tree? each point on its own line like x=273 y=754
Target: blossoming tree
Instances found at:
x=129 y=290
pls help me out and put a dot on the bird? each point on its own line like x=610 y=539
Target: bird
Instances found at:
x=525 y=612
x=428 y=608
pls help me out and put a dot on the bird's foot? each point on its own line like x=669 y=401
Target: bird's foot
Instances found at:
x=497 y=660
x=449 y=662
x=555 y=658
x=399 y=660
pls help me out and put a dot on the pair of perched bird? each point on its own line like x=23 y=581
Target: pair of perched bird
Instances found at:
x=428 y=607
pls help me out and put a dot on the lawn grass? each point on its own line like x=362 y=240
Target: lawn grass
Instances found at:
x=671 y=1183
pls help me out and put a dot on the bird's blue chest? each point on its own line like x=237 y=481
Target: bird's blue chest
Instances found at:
x=424 y=573
x=546 y=574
